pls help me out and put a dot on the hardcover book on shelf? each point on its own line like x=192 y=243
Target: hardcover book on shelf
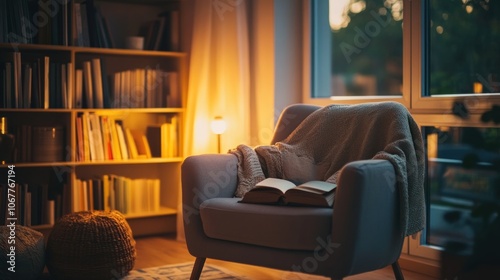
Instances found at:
x=78 y=25
x=106 y=192
x=17 y=79
x=25 y=101
x=120 y=131
x=8 y=85
x=157 y=136
x=106 y=138
x=284 y=192
x=132 y=148
x=88 y=138
x=97 y=88
x=70 y=79
x=45 y=81
x=85 y=25
x=88 y=149
x=64 y=87
x=115 y=140
x=80 y=155
x=95 y=127
x=88 y=85
x=78 y=88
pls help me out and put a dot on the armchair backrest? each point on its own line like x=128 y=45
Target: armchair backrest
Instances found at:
x=290 y=118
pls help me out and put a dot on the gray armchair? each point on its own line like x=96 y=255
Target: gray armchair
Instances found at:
x=363 y=231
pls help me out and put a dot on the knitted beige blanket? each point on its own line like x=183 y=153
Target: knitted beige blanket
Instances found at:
x=338 y=134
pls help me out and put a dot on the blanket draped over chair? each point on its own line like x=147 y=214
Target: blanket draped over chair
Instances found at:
x=338 y=134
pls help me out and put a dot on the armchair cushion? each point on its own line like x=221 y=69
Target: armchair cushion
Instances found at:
x=282 y=227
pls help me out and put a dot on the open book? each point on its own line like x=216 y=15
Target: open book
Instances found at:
x=281 y=191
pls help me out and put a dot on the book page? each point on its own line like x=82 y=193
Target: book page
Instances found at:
x=275 y=183
x=317 y=186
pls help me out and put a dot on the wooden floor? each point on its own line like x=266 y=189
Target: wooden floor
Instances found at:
x=162 y=250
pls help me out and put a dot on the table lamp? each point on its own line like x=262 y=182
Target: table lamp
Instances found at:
x=218 y=127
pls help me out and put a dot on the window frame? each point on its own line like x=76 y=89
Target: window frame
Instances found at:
x=413 y=70
x=427 y=110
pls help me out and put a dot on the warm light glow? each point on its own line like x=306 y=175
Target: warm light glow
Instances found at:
x=358 y=7
x=218 y=125
x=338 y=17
x=478 y=87
x=432 y=145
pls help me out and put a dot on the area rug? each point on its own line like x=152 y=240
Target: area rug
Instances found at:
x=180 y=271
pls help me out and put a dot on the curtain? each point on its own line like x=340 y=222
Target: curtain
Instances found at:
x=219 y=76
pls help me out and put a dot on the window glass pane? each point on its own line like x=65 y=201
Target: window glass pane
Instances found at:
x=463 y=46
x=463 y=186
x=367 y=47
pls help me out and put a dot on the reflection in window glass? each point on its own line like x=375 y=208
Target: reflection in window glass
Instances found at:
x=367 y=47
x=463 y=183
x=464 y=42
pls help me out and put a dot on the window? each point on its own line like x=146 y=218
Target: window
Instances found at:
x=463 y=42
x=364 y=48
x=430 y=55
x=463 y=185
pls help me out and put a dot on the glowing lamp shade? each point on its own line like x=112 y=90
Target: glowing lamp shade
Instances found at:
x=218 y=125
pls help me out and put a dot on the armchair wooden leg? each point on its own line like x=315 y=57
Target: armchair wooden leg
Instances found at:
x=397 y=271
x=197 y=268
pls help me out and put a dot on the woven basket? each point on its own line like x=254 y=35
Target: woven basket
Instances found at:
x=91 y=245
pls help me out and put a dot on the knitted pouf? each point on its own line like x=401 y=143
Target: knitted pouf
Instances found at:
x=27 y=260
x=91 y=245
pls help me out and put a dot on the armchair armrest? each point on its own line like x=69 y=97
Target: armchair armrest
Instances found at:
x=366 y=216
x=204 y=177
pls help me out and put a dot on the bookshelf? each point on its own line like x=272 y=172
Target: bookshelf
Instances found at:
x=47 y=96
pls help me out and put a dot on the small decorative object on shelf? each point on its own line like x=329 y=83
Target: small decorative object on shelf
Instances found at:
x=6 y=142
x=48 y=144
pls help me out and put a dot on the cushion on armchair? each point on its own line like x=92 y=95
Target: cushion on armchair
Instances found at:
x=283 y=227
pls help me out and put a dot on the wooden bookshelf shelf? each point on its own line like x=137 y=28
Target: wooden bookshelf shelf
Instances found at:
x=44 y=87
x=129 y=162
x=164 y=211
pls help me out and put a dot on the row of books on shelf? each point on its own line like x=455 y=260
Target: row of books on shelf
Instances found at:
x=101 y=137
x=77 y=23
x=44 y=204
x=38 y=82
x=133 y=88
x=28 y=22
x=113 y=192
x=35 y=204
